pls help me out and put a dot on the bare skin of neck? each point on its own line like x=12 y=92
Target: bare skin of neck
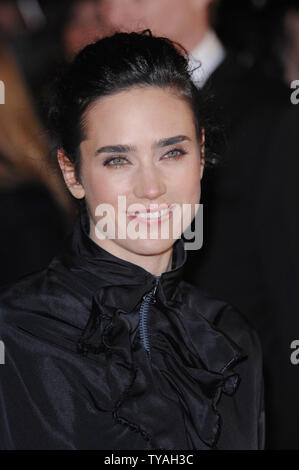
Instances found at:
x=155 y=264
x=192 y=36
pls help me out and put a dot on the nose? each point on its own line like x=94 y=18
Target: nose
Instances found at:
x=149 y=184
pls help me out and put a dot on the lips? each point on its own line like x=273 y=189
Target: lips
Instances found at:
x=151 y=215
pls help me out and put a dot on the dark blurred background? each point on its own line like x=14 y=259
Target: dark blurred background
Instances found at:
x=43 y=33
x=250 y=51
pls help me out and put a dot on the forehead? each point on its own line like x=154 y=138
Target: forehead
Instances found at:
x=140 y=113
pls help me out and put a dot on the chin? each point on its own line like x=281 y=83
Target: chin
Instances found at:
x=148 y=247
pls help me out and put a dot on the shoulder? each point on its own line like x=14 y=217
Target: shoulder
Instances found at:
x=42 y=314
x=20 y=301
x=17 y=293
x=225 y=317
x=45 y=296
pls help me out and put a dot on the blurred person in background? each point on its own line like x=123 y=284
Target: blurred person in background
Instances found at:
x=82 y=27
x=35 y=208
x=45 y=34
x=258 y=236
x=264 y=32
x=290 y=44
x=11 y=20
x=249 y=242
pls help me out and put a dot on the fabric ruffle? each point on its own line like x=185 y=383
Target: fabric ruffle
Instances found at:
x=191 y=365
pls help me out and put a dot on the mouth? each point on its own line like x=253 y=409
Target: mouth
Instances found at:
x=151 y=216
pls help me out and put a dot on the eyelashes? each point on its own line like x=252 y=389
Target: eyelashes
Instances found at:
x=113 y=159
x=178 y=153
x=173 y=154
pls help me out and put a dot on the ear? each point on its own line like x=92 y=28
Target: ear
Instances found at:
x=202 y=151
x=68 y=171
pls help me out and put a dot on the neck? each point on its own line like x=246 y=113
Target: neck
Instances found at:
x=156 y=264
x=194 y=35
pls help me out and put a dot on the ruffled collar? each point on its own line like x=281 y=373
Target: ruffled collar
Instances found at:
x=191 y=361
x=82 y=252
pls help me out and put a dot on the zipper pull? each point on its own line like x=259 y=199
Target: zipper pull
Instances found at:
x=150 y=296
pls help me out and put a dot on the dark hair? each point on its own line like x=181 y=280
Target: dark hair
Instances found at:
x=117 y=63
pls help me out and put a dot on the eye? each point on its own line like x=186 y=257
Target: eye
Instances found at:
x=115 y=162
x=174 y=154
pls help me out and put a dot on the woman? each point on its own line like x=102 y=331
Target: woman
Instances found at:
x=108 y=348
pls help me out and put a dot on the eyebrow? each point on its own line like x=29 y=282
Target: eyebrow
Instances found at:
x=130 y=148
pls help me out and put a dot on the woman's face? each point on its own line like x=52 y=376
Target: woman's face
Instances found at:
x=140 y=144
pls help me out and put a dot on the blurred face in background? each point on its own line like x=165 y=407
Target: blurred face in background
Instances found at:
x=184 y=21
x=11 y=21
x=83 y=27
x=290 y=49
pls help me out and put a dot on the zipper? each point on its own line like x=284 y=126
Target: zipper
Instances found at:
x=148 y=299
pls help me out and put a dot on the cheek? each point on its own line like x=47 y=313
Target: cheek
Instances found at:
x=102 y=187
x=189 y=183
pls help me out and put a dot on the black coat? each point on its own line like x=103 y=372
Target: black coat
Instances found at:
x=90 y=363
